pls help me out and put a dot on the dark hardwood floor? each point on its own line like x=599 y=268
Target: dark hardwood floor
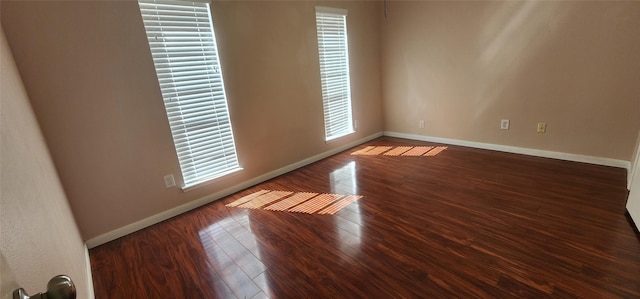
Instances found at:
x=465 y=223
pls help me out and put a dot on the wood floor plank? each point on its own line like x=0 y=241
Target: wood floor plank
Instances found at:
x=238 y=281
x=181 y=258
x=241 y=255
x=152 y=283
x=462 y=223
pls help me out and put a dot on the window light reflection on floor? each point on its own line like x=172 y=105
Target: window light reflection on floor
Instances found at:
x=348 y=224
x=415 y=151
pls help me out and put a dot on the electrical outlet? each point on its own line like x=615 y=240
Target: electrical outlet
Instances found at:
x=504 y=124
x=421 y=124
x=356 y=124
x=169 y=181
x=542 y=127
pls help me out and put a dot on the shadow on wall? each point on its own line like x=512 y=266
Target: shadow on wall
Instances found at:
x=510 y=39
x=510 y=36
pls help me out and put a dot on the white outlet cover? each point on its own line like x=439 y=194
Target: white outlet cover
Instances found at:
x=542 y=128
x=504 y=124
x=169 y=181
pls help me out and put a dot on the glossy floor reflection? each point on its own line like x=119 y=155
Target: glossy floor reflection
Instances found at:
x=344 y=180
x=236 y=257
x=466 y=223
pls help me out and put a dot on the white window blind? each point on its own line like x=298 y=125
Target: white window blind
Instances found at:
x=183 y=46
x=334 y=71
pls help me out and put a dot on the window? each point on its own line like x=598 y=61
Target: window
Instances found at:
x=183 y=46
x=334 y=71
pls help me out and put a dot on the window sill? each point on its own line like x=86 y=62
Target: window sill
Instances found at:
x=335 y=138
x=210 y=180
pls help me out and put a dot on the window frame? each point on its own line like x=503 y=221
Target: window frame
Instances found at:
x=193 y=92
x=337 y=113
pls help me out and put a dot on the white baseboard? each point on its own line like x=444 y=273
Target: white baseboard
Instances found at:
x=90 y=291
x=518 y=150
x=125 y=230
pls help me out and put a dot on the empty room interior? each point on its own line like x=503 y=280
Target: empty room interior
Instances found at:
x=321 y=149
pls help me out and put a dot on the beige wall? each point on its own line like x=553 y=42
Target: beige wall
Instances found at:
x=88 y=71
x=38 y=235
x=463 y=66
